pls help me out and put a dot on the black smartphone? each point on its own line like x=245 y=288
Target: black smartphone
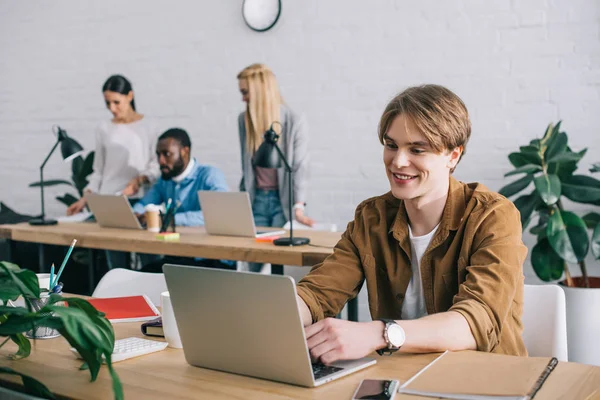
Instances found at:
x=380 y=389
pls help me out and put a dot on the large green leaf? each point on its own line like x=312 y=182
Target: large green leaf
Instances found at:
x=520 y=159
x=565 y=157
x=557 y=145
x=526 y=204
x=525 y=169
x=591 y=219
x=596 y=242
x=548 y=265
x=33 y=387
x=516 y=186
x=568 y=236
x=24 y=281
x=548 y=187
x=88 y=165
x=581 y=188
x=23 y=343
x=52 y=182
x=76 y=165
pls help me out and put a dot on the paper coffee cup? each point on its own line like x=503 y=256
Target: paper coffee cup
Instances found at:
x=169 y=323
x=152 y=218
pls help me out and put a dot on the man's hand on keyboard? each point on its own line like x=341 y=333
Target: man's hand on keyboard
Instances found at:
x=331 y=339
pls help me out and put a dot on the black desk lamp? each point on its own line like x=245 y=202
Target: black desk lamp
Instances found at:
x=269 y=155
x=69 y=149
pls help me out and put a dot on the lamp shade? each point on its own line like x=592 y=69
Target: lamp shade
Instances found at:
x=68 y=147
x=267 y=155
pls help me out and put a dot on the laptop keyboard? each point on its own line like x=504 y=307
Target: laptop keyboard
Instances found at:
x=320 y=370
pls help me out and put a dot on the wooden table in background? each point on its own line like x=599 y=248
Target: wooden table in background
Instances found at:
x=193 y=242
x=166 y=375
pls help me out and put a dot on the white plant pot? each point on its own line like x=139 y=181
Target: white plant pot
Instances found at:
x=583 y=324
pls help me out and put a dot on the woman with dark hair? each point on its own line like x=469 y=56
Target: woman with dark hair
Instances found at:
x=124 y=156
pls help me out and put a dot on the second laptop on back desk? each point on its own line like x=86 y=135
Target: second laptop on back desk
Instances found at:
x=230 y=214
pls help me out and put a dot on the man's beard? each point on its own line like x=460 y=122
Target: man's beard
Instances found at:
x=171 y=173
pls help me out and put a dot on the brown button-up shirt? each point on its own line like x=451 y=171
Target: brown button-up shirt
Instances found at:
x=473 y=265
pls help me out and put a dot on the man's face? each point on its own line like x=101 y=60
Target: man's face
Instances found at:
x=172 y=157
x=414 y=169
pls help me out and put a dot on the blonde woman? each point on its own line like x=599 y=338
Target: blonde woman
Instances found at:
x=268 y=187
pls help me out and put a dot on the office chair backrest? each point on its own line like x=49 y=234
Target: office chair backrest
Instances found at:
x=545 y=321
x=125 y=282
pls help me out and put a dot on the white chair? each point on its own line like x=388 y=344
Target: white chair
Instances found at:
x=125 y=282
x=545 y=321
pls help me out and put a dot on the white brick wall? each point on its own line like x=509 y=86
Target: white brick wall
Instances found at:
x=517 y=64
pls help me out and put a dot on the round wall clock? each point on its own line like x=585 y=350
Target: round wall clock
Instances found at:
x=261 y=15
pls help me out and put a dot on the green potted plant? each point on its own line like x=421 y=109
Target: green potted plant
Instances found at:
x=564 y=238
x=85 y=328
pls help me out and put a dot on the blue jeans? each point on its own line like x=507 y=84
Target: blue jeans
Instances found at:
x=267 y=211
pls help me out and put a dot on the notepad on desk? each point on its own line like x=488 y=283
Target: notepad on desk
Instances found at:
x=470 y=375
x=126 y=309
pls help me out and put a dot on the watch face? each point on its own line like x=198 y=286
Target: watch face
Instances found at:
x=396 y=335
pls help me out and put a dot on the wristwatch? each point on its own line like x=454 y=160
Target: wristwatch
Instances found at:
x=394 y=336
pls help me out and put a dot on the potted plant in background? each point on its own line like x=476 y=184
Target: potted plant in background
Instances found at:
x=564 y=239
x=85 y=328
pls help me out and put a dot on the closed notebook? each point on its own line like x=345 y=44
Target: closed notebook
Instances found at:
x=472 y=375
x=126 y=309
x=153 y=328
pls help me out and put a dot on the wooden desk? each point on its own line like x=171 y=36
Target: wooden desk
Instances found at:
x=166 y=375
x=193 y=242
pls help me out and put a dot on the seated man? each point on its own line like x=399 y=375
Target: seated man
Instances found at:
x=442 y=259
x=181 y=179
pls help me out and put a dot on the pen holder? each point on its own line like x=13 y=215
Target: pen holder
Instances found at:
x=41 y=332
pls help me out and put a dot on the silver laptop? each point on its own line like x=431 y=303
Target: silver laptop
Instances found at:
x=247 y=324
x=112 y=211
x=230 y=214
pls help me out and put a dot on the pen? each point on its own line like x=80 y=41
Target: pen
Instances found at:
x=62 y=267
x=51 y=277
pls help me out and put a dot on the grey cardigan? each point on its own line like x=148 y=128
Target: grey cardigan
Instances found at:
x=294 y=145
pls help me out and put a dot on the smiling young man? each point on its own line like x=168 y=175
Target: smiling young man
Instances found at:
x=442 y=260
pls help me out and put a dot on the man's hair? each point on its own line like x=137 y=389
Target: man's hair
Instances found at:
x=438 y=113
x=178 y=134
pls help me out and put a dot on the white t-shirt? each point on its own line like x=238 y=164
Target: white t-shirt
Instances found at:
x=123 y=151
x=413 y=306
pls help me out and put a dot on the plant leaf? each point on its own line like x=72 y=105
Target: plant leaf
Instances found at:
x=568 y=236
x=33 y=386
x=67 y=199
x=525 y=169
x=76 y=165
x=526 y=204
x=520 y=159
x=595 y=167
x=516 y=186
x=557 y=146
x=548 y=187
x=581 y=188
x=591 y=219
x=24 y=346
x=565 y=157
x=548 y=265
x=596 y=242
x=25 y=281
x=52 y=182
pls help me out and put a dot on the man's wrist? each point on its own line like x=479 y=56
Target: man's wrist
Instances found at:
x=378 y=335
